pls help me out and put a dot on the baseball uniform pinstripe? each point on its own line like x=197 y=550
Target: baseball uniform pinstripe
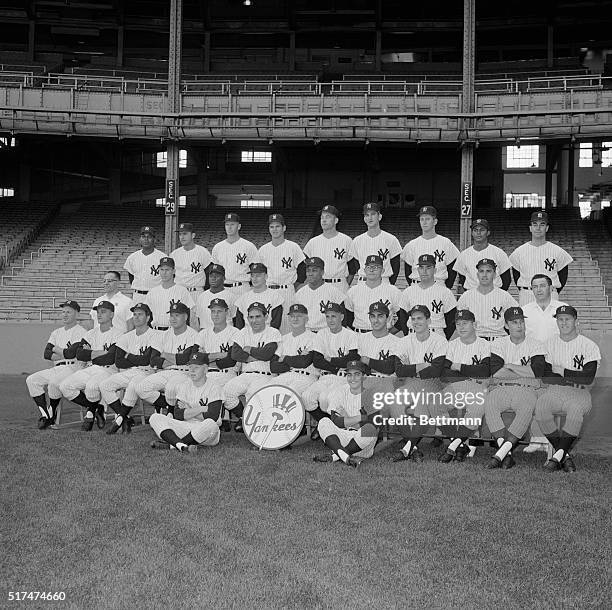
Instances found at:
x=122 y=305
x=334 y=251
x=191 y=266
x=270 y=298
x=145 y=269
x=488 y=309
x=203 y=301
x=384 y=244
x=235 y=257
x=378 y=348
x=440 y=247
x=159 y=300
x=361 y=296
x=467 y=260
x=315 y=302
x=438 y=299
x=282 y=262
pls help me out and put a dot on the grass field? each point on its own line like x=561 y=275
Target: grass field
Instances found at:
x=115 y=524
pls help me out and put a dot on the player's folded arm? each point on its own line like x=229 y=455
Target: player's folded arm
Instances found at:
x=452 y=274
x=478 y=371
x=402 y=320
x=183 y=358
x=279 y=367
x=265 y=353
x=238 y=354
x=505 y=280
x=449 y=375
x=341 y=361
x=538 y=365
x=226 y=362
x=121 y=361
x=405 y=370
x=497 y=363
x=319 y=360
x=156 y=362
x=214 y=410
x=48 y=353
x=434 y=370
x=276 y=317
x=70 y=352
x=583 y=377
x=105 y=359
x=178 y=413
x=385 y=366
x=83 y=354
x=395 y=269
x=299 y=362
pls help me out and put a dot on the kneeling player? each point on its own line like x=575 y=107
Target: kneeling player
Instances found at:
x=349 y=431
x=197 y=416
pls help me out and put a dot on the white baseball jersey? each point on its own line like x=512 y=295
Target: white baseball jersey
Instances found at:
x=191 y=396
x=132 y=343
x=169 y=342
x=299 y=345
x=210 y=341
x=468 y=353
x=159 y=300
x=336 y=345
x=344 y=402
x=235 y=258
x=333 y=251
x=315 y=302
x=191 y=266
x=144 y=268
x=546 y=259
x=122 y=305
x=517 y=353
x=488 y=309
x=384 y=244
x=419 y=352
x=246 y=337
x=438 y=299
x=62 y=338
x=361 y=296
x=270 y=298
x=102 y=340
x=378 y=348
x=467 y=260
x=440 y=247
x=541 y=323
x=282 y=262
x=203 y=301
x=572 y=355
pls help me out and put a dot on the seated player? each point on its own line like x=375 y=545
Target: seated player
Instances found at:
x=467 y=368
x=349 y=430
x=97 y=349
x=517 y=365
x=217 y=290
x=61 y=350
x=175 y=347
x=260 y=293
x=133 y=353
x=197 y=416
x=571 y=366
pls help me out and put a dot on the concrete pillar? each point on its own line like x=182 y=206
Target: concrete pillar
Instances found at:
x=550 y=49
x=378 y=61
x=291 y=57
x=563 y=178
x=114 y=186
x=25 y=181
x=31 y=39
x=206 y=53
x=120 y=42
x=202 y=183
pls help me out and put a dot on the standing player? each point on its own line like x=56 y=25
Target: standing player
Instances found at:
x=465 y=265
x=191 y=260
x=196 y=419
x=161 y=298
x=572 y=362
x=517 y=366
x=122 y=320
x=235 y=254
x=487 y=302
x=61 y=350
x=539 y=256
x=333 y=248
x=441 y=248
x=349 y=431
x=316 y=294
x=142 y=266
x=439 y=299
x=216 y=279
x=375 y=241
x=260 y=293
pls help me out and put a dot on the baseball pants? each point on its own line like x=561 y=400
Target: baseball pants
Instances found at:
x=517 y=399
x=203 y=432
x=367 y=442
x=574 y=403
x=50 y=380
x=87 y=379
x=472 y=408
x=151 y=387
x=173 y=386
x=317 y=394
x=124 y=380
x=243 y=385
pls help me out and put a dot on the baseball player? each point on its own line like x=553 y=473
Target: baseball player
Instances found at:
x=487 y=302
x=466 y=370
x=196 y=419
x=375 y=241
x=465 y=265
x=61 y=350
x=191 y=260
x=517 y=366
x=260 y=293
x=429 y=242
x=98 y=350
x=333 y=248
x=122 y=320
x=133 y=353
x=235 y=254
x=349 y=430
x=317 y=293
x=571 y=366
x=161 y=298
x=539 y=256
x=374 y=289
x=419 y=363
x=439 y=299
x=142 y=265
x=216 y=279
x=254 y=346
x=175 y=347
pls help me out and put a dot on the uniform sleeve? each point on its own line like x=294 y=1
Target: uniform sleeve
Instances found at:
x=448 y=300
x=563 y=259
x=348 y=300
x=129 y=264
x=187 y=299
x=308 y=248
x=514 y=259
x=206 y=257
x=503 y=262
x=395 y=248
x=298 y=256
x=462 y=302
x=509 y=300
x=452 y=251
x=407 y=254
x=460 y=266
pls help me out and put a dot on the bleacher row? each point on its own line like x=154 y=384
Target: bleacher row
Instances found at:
x=71 y=254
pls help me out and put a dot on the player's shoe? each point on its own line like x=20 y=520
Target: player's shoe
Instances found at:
x=323 y=458
x=416 y=455
x=226 y=426
x=159 y=445
x=314 y=435
x=44 y=422
x=493 y=463
x=461 y=453
x=568 y=464
x=189 y=449
x=238 y=426
x=127 y=425
x=114 y=428
x=100 y=418
x=508 y=462
x=436 y=441
x=353 y=462
x=552 y=465
x=87 y=425
x=447 y=457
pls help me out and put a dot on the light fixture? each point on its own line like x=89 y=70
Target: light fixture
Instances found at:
x=247 y=2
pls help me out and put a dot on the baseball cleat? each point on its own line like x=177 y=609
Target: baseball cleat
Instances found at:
x=568 y=464
x=44 y=422
x=508 y=462
x=238 y=426
x=323 y=458
x=314 y=435
x=436 y=441
x=114 y=428
x=226 y=426
x=461 y=453
x=493 y=463
x=552 y=465
x=159 y=445
x=87 y=424
x=189 y=449
x=99 y=417
x=353 y=462
x=417 y=455
x=447 y=457
x=127 y=425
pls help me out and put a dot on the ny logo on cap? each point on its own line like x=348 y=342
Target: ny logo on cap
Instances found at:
x=228 y=217
x=146 y=229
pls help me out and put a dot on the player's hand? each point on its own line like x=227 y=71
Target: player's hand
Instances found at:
x=337 y=419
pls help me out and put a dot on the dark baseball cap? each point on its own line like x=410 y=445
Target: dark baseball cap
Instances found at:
x=465 y=314
x=198 y=358
x=356 y=365
x=334 y=307
x=486 y=261
x=566 y=309
x=422 y=309
x=428 y=209
x=231 y=217
x=298 y=308
x=372 y=207
x=142 y=307
x=257 y=268
x=374 y=259
x=186 y=227
x=314 y=261
x=214 y=268
x=514 y=313
x=218 y=303
x=331 y=209
x=72 y=304
x=480 y=222
x=257 y=305
x=166 y=261
x=179 y=307
x=378 y=307
x=426 y=260
x=539 y=215
x=276 y=218
x=104 y=305
x=147 y=229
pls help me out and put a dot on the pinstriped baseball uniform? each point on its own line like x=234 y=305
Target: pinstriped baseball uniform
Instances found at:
x=191 y=266
x=235 y=258
x=122 y=305
x=145 y=269
x=282 y=262
x=361 y=296
x=438 y=299
x=384 y=245
x=270 y=298
x=315 y=302
x=378 y=348
x=334 y=251
x=468 y=258
x=203 y=301
x=488 y=309
x=440 y=247
x=159 y=300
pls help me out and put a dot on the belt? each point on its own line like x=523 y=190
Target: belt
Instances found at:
x=218 y=370
x=362 y=330
x=523 y=288
x=257 y=372
x=377 y=374
x=64 y=362
x=233 y=284
x=334 y=280
x=301 y=371
x=141 y=291
x=278 y=286
x=339 y=373
x=193 y=289
x=578 y=386
x=512 y=383
x=489 y=338
x=161 y=327
x=185 y=369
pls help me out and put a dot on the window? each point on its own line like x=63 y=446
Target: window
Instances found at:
x=522 y=156
x=606 y=154
x=161 y=202
x=162 y=159
x=7 y=192
x=586 y=154
x=525 y=200
x=255 y=203
x=256 y=156
x=7 y=142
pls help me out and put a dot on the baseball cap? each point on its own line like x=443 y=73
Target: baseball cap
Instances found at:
x=298 y=308
x=314 y=261
x=257 y=268
x=276 y=218
x=336 y=307
x=178 y=308
x=426 y=260
x=214 y=268
x=372 y=207
x=356 y=365
x=486 y=261
x=147 y=229
x=72 y=304
x=465 y=314
x=231 y=217
x=514 y=313
x=166 y=261
x=104 y=305
x=374 y=259
x=185 y=226
x=142 y=307
x=331 y=209
x=539 y=215
x=567 y=309
x=480 y=222
x=378 y=307
x=218 y=303
x=420 y=308
x=428 y=209
x=198 y=358
x=257 y=305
